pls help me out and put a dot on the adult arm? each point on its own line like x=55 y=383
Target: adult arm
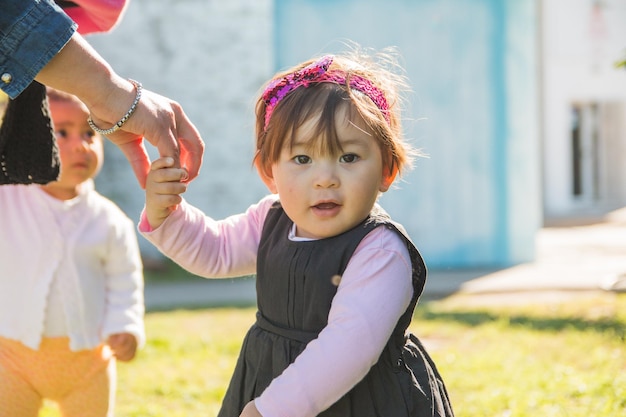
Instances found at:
x=374 y=292
x=72 y=65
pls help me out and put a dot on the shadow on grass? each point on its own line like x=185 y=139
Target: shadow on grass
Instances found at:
x=201 y=306
x=547 y=324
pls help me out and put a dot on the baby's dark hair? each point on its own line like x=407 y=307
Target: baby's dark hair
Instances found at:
x=322 y=100
x=58 y=96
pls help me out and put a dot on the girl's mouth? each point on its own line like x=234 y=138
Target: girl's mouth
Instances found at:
x=326 y=209
x=326 y=206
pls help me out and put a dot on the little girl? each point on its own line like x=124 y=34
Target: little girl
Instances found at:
x=71 y=281
x=337 y=279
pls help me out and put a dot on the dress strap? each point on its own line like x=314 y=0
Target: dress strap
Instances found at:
x=301 y=336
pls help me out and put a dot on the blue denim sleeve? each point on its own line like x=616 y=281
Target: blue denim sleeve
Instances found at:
x=31 y=33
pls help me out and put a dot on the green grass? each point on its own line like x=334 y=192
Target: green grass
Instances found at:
x=522 y=359
x=566 y=359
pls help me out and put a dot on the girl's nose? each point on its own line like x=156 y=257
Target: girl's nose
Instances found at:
x=78 y=142
x=326 y=176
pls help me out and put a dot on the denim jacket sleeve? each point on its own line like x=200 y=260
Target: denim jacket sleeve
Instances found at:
x=32 y=32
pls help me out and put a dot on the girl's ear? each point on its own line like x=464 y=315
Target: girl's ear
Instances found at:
x=388 y=178
x=267 y=179
x=269 y=183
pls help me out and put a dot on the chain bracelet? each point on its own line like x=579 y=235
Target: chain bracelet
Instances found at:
x=123 y=120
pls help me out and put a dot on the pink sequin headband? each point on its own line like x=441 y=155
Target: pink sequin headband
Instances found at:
x=314 y=73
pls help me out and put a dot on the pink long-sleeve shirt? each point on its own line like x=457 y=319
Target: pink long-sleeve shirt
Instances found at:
x=373 y=293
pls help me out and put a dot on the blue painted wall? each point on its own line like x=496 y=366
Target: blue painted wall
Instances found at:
x=475 y=201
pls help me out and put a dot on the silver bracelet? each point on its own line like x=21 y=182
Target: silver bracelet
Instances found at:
x=123 y=120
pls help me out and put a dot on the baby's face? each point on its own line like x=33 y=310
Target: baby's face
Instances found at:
x=327 y=193
x=80 y=148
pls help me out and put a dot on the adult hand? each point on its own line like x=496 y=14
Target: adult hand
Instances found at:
x=164 y=124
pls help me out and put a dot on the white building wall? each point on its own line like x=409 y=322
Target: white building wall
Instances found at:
x=581 y=41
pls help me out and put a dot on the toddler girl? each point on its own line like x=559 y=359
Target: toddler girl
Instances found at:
x=337 y=279
x=71 y=282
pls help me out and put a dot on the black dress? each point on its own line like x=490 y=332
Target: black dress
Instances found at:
x=294 y=294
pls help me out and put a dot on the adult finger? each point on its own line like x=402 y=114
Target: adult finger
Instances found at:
x=136 y=153
x=157 y=117
x=191 y=145
x=191 y=155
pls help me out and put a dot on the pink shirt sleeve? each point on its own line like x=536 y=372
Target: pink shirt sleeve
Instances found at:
x=95 y=16
x=207 y=247
x=374 y=292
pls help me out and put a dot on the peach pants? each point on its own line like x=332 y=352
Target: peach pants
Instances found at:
x=81 y=383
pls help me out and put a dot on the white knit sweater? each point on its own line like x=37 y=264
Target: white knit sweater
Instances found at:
x=92 y=256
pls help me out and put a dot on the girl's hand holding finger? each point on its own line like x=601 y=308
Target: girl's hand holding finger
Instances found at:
x=164 y=185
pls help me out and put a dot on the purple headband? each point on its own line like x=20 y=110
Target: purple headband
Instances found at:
x=314 y=73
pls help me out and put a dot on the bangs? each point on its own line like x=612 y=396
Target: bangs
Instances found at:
x=310 y=115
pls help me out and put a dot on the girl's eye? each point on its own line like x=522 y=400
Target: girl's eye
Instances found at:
x=301 y=159
x=62 y=133
x=349 y=158
x=88 y=135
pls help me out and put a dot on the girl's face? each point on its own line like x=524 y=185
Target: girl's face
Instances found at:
x=80 y=149
x=327 y=194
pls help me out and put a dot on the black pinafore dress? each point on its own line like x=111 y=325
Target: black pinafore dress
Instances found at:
x=294 y=295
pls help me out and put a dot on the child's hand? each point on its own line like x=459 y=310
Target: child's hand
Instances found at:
x=163 y=188
x=250 y=410
x=123 y=346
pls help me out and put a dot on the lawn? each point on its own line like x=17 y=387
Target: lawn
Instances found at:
x=503 y=359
